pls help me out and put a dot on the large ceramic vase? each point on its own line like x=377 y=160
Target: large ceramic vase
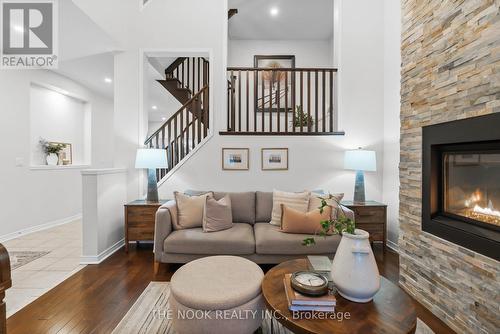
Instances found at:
x=354 y=270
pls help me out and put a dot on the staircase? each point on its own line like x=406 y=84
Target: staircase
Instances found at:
x=187 y=80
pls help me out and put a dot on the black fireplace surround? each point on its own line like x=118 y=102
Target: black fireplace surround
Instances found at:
x=470 y=137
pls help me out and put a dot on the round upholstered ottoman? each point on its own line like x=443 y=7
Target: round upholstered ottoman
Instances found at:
x=218 y=294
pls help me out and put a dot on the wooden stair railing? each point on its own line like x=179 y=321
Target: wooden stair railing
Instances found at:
x=5 y=283
x=185 y=77
x=264 y=101
x=183 y=131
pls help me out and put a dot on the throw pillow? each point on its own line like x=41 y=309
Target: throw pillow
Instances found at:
x=294 y=221
x=189 y=210
x=297 y=201
x=315 y=203
x=217 y=215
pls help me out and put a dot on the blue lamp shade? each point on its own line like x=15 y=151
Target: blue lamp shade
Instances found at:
x=362 y=160
x=151 y=158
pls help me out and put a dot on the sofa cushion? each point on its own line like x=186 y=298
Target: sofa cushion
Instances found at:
x=263 y=206
x=269 y=240
x=189 y=210
x=238 y=240
x=293 y=221
x=242 y=205
x=217 y=215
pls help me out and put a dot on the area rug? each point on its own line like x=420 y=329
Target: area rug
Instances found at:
x=19 y=259
x=149 y=313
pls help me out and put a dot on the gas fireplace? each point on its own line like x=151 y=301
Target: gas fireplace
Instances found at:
x=461 y=183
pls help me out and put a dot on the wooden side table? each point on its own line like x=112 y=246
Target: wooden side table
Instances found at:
x=370 y=216
x=391 y=311
x=140 y=220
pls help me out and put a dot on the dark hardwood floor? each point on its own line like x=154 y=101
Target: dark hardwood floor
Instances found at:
x=95 y=299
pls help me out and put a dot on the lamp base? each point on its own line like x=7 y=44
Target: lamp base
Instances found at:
x=152 y=186
x=359 y=187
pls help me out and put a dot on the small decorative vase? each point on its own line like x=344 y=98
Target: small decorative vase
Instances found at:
x=52 y=159
x=354 y=270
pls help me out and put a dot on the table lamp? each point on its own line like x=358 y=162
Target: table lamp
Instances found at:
x=151 y=159
x=360 y=160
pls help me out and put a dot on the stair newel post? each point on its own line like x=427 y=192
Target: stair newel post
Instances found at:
x=206 y=108
x=193 y=67
x=198 y=72
x=193 y=131
x=247 y=101
x=170 y=151
x=255 y=95
x=233 y=103
x=198 y=120
x=181 y=133
x=186 y=130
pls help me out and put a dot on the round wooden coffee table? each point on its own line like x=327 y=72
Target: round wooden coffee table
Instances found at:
x=391 y=311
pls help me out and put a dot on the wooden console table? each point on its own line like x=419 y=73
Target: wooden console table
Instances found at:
x=370 y=216
x=140 y=218
x=391 y=310
x=5 y=283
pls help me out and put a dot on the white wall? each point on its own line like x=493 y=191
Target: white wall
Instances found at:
x=308 y=53
x=392 y=79
x=314 y=161
x=37 y=197
x=57 y=118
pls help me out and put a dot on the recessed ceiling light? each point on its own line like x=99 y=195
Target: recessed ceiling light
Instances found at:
x=154 y=107
x=108 y=80
x=163 y=118
x=274 y=11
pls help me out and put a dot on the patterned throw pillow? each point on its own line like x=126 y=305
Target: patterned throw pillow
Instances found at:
x=297 y=201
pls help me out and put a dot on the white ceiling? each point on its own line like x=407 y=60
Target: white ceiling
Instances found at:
x=296 y=19
x=90 y=72
x=85 y=50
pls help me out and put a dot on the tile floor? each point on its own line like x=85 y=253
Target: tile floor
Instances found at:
x=32 y=280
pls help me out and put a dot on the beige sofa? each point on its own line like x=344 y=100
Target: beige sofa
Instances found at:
x=251 y=236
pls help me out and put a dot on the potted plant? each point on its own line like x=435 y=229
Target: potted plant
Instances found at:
x=52 y=151
x=354 y=269
x=301 y=119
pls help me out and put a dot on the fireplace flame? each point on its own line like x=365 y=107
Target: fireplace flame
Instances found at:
x=490 y=211
x=475 y=211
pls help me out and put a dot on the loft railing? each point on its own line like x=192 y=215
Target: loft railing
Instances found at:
x=281 y=101
x=183 y=131
x=192 y=73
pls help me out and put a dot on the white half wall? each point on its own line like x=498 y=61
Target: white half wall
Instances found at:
x=104 y=193
x=41 y=197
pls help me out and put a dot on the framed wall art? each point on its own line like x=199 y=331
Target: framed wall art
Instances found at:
x=274 y=159
x=235 y=158
x=275 y=88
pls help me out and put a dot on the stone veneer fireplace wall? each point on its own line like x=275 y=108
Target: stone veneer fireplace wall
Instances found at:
x=450 y=70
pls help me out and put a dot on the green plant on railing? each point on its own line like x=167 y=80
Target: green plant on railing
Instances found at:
x=51 y=148
x=340 y=225
x=301 y=118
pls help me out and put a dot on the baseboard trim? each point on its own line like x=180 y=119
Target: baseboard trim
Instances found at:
x=392 y=245
x=103 y=255
x=38 y=228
